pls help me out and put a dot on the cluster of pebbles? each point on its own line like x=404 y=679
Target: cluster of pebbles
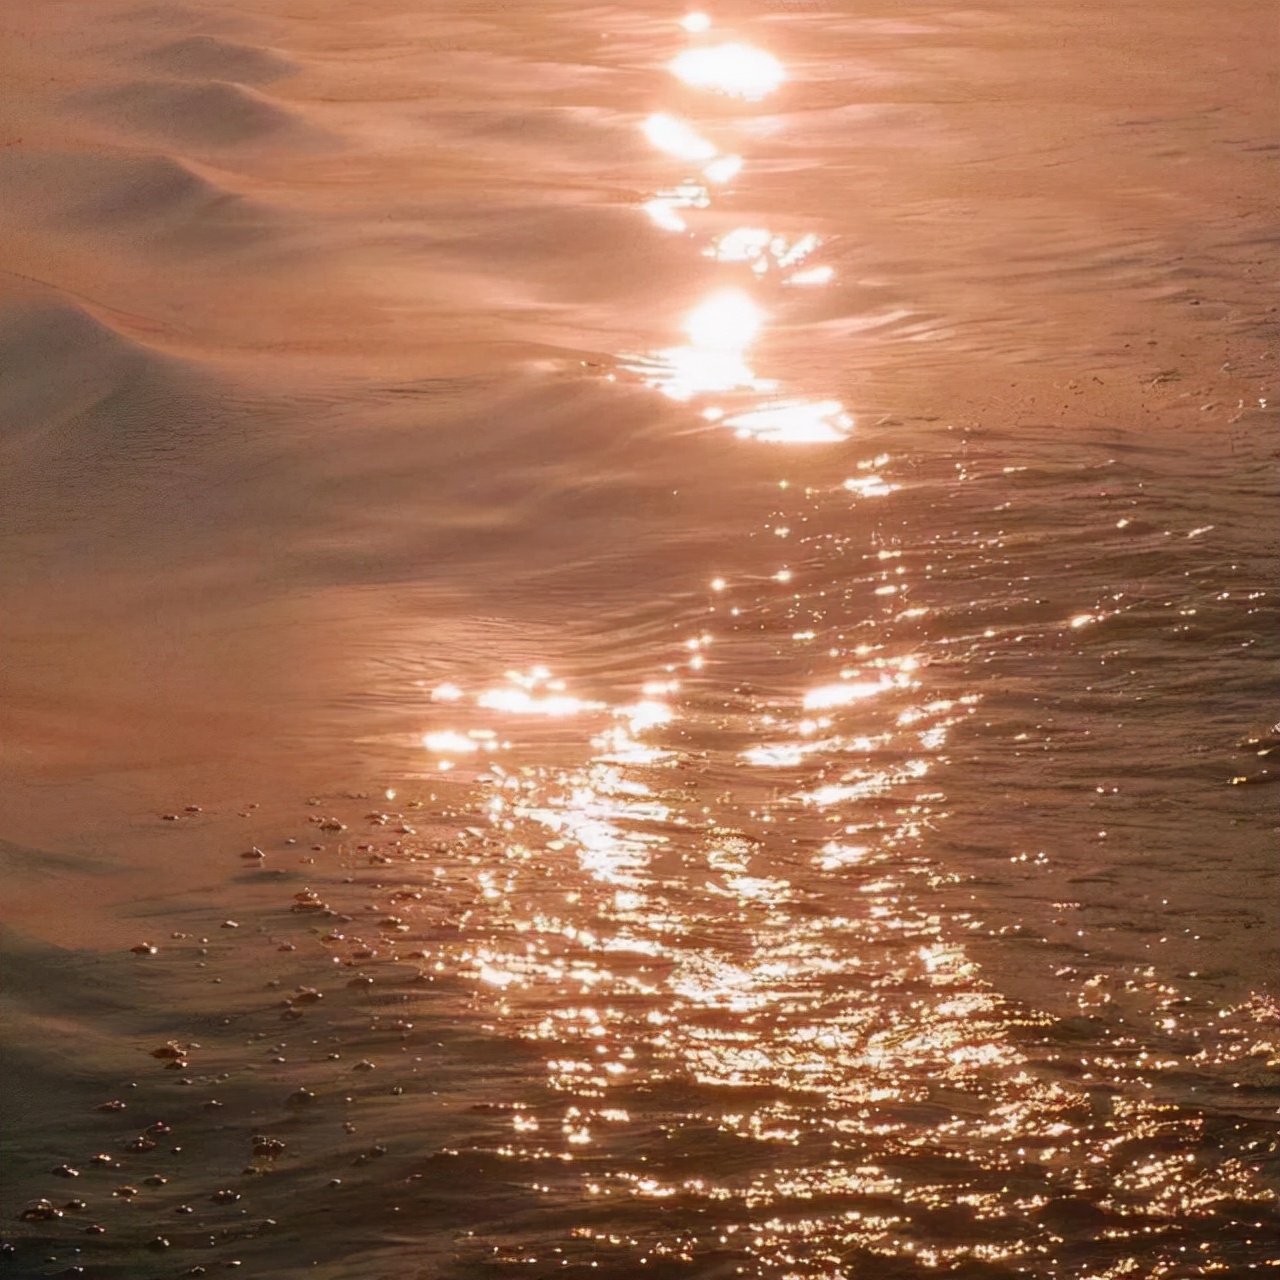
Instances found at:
x=221 y=1139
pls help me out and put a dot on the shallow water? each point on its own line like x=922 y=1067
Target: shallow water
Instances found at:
x=655 y=648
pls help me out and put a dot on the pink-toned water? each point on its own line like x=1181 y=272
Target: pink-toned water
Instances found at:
x=726 y=566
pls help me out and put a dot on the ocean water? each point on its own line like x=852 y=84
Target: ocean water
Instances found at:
x=639 y=642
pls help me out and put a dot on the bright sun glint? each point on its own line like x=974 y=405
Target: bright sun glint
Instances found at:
x=739 y=70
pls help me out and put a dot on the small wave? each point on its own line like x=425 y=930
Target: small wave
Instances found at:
x=216 y=114
x=153 y=197
x=209 y=58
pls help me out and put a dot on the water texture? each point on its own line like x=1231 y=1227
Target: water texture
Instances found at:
x=639 y=642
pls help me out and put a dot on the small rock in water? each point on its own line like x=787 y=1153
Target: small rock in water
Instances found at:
x=114 y=1105
x=155 y=1180
x=158 y=1243
x=66 y=1171
x=300 y=1097
x=171 y=1050
x=140 y=1144
x=225 y=1196
x=144 y=949
x=364 y=1065
x=125 y=1193
x=75 y=1206
x=255 y=854
x=40 y=1211
x=103 y=1158
x=230 y=924
x=95 y=1229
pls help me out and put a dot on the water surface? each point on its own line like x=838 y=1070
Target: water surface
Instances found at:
x=639 y=643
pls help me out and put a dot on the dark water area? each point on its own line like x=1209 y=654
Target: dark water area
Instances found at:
x=639 y=643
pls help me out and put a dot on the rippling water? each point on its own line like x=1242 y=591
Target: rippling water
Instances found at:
x=639 y=642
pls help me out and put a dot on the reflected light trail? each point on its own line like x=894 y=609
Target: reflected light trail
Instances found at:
x=737 y=70
x=677 y=138
x=840 y=695
x=521 y=702
x=722 y=169
x=727 y=321
x=794 y=422
x=720 y=329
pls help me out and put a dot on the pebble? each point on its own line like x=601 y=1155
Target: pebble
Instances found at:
x=225 y=1196
x=158 y=1243
x=95 y=1229
x=125 y=1192
x=255 y=854
x=140 y=1144
x=66 y=1171
x=40 y=1211
x=155 y=1180
x=144 y=949
x=364 y=1065
x=114 y=1105
x=230 y=924
x=75 y=1206
x=184 y=1208
x=300 y=1097
x=103 y=1158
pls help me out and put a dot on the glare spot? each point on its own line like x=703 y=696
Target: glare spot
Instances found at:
x=815 y=275
x=840 y=695
x=795 y=422
x=726 y=321
x=447 y=742
x=677 y=138
x=722 y=169
x=739 y=70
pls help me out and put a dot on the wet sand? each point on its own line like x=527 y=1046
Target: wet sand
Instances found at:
x=652 y=647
